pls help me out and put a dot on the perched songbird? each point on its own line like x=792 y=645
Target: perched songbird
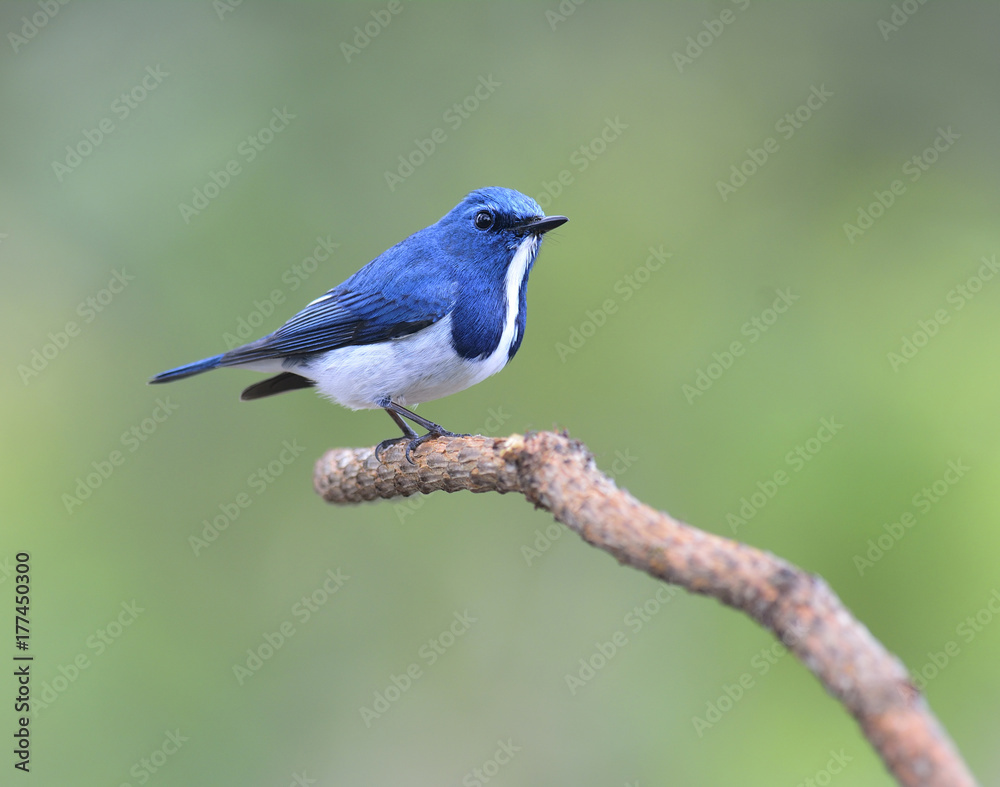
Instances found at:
x=438 y=312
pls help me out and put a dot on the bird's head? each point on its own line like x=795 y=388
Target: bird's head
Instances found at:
x=490 y=225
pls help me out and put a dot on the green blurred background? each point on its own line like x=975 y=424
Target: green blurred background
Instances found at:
x=682 y=94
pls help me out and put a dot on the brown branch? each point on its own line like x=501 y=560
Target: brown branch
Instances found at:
x=559 y=474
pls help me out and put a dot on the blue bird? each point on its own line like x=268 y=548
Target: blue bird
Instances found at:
x=431 y=316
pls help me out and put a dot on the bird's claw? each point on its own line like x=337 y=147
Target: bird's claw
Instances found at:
x=418 y=441
x=385 y=444
x=413 y=443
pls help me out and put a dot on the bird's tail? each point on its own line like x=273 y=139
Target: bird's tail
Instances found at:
x=188 y=370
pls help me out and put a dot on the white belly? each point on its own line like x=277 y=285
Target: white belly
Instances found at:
x=409 y=370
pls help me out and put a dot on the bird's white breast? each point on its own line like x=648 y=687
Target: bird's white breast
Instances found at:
x=515 y=276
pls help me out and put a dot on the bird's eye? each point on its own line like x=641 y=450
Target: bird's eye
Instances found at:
x=484 y=220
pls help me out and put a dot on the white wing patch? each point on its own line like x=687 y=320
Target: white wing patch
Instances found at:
x=320 y=299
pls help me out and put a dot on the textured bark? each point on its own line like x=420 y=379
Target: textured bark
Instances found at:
x=559 y=474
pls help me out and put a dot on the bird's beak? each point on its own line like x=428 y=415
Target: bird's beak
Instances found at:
x=543 y=225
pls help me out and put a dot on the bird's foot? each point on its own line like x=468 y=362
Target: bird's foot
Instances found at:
x=413 y=442
x=418 y=441
x=386 y=443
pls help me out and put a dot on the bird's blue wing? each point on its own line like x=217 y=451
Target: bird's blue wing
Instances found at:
x=382 y=301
